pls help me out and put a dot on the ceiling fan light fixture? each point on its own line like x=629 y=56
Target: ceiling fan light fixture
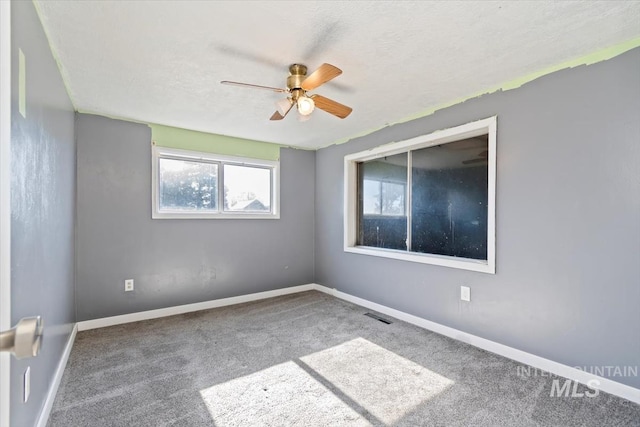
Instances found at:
x=298 y=85
x=284 y=105
x=302 y=118
x=305 y=105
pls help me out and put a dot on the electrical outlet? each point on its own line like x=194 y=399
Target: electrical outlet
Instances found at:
x=465 y=293
x=26 y=384
x=128 y=285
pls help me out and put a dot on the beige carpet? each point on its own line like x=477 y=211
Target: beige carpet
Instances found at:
x=306 y=359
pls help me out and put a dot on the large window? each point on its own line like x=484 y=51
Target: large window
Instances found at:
x=430 y=199
x=188 y=184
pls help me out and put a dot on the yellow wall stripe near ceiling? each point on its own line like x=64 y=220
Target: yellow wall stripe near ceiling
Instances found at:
x=166 y=136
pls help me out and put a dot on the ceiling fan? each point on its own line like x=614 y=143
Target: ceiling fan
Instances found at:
x=298 y=84
x=483 y=157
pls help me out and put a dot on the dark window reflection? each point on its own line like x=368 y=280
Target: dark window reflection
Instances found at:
x=449 y=199
x=382 y=202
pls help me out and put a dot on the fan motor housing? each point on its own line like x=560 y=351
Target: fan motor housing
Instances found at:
x=298 y=74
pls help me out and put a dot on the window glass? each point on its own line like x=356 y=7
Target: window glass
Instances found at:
x=371 y=195
x=449 y=199
x=382 y=220
x=188 y=185
x=198 y=185
x=392 y=200
x=247 y=188
x=428 y=199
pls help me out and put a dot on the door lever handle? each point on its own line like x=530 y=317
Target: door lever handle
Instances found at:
x=23 y=340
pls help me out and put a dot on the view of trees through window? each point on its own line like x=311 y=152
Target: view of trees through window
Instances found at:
x=188 y=185
x=192 y=185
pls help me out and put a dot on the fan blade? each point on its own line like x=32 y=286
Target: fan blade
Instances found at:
x=273 y=89
x=472 y=161
x=278 y=116
x=320 y=76
x=331 y=106
x=284 y=105
x=467 y=144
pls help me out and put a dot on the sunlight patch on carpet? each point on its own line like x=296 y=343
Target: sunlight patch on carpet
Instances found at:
x=280 y=395
x=370 y=383
x=380 y=381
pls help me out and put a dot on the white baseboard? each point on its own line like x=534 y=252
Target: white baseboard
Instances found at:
x=593 y=381
x=188 y=308
x=57 y=377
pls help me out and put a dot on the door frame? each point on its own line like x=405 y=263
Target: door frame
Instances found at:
x=5 y=208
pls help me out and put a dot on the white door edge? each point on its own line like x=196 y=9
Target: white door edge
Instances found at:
x=5 y=209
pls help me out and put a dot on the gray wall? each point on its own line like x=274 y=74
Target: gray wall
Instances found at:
x=567 y=286
x=42 y=208
x=177 y=261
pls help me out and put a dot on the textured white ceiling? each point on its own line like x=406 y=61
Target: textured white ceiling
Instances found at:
x=162 y=61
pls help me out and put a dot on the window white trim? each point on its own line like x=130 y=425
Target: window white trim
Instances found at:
x=469 y=130
x=165 y=152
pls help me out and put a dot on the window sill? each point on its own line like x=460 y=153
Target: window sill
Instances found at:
x=441 y=260
x=202 y=215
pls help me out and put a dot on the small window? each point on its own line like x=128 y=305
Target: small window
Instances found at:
x=247 y=188
x=188 y=184
x=429 y=199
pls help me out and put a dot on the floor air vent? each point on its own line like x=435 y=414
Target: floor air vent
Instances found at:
x=382 y=319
